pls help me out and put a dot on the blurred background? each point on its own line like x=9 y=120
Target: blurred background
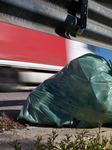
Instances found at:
x=28 y=57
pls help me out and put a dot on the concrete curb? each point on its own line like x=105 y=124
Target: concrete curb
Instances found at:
x=27 y=136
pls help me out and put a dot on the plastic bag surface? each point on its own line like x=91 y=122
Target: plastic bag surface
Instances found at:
x=81 y=90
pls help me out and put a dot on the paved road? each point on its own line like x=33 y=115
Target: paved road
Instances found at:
x=11 y=103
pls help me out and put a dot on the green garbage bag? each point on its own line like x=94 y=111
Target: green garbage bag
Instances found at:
x=80 y=94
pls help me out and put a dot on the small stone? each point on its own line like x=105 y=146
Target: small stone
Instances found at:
x=3 y=129
x=26 y=125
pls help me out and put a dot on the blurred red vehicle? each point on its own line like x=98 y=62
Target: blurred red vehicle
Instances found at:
x=28 y=56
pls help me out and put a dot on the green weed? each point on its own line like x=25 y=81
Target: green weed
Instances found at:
x=15 y=145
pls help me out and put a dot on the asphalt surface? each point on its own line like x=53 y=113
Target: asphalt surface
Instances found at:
x=11 y=104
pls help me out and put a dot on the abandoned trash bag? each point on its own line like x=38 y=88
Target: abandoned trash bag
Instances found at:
x=81 y=90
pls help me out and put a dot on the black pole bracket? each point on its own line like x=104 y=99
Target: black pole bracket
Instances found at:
x=83 y=16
